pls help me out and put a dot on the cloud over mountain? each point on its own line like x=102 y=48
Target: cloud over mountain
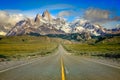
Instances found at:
x=57 y=7
x=70 y=13
x=5 y=17
x=96 y=15
x=64 y=13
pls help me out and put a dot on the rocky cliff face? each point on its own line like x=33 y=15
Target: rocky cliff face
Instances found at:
x=38 y=18
x=46 y=15
x=22 y=27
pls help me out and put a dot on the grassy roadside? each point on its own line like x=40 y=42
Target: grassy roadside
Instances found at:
x=23 y=46
x=108 y=48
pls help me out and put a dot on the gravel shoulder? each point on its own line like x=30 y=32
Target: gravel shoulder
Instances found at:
x=110 y=61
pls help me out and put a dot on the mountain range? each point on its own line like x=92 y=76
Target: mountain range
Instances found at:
x=44 y=25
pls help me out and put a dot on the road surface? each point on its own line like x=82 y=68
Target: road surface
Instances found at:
x=61 y=66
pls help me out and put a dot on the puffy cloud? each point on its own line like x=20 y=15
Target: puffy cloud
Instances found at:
x=118 y=25
x=57 y=7
x=64 y=14
x=5 y=17
x=99 y=16
x=68 y=13
x=96 y=15
x=2 y=33
x=116 y=18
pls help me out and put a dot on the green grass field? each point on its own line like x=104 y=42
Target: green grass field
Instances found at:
x=22 y=46
x=106 y=48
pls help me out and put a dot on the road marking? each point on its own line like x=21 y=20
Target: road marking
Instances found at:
x=17 y=66
x=66 y=70
x=117 y=67
x=62 y=70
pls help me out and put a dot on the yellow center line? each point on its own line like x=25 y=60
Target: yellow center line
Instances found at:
x=62 y=70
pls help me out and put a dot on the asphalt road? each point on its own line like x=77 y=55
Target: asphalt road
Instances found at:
x=49 y=68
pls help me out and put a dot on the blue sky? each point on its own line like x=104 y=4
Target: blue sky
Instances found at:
x=69 y=9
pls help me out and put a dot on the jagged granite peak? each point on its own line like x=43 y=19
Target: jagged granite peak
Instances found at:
x=26 y=27
x=38 y=18
x=22 y=27
x=44 y=24
x=46 y=15
x=81 y=25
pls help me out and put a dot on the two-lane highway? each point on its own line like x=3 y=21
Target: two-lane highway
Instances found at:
x=62 y=66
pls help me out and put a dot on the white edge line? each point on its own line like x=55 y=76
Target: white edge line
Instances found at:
x=16 y=66
x=1 y=71
x=66 y=70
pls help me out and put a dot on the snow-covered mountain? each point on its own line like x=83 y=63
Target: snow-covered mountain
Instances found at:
x=40 y=26
x=113 y=31
x=4 y=28
x=45 y=24
x=81 y=25
x=61 y=24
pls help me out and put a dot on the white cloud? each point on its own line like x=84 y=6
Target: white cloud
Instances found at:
x=5 y=17
x=2 y=33
x=64 y=14
x=97 y=15
x=57 y=7
x=68 y=13
x=118 y=25
x=100 y=16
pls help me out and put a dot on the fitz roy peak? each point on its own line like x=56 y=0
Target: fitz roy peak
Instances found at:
x=46 y=15
x=40 y=26
x=44 y=24
x=38 y=18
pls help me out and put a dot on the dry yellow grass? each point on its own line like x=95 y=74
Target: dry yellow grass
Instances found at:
x=26 y=45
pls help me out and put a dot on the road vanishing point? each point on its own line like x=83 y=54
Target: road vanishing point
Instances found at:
x=61 y=66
